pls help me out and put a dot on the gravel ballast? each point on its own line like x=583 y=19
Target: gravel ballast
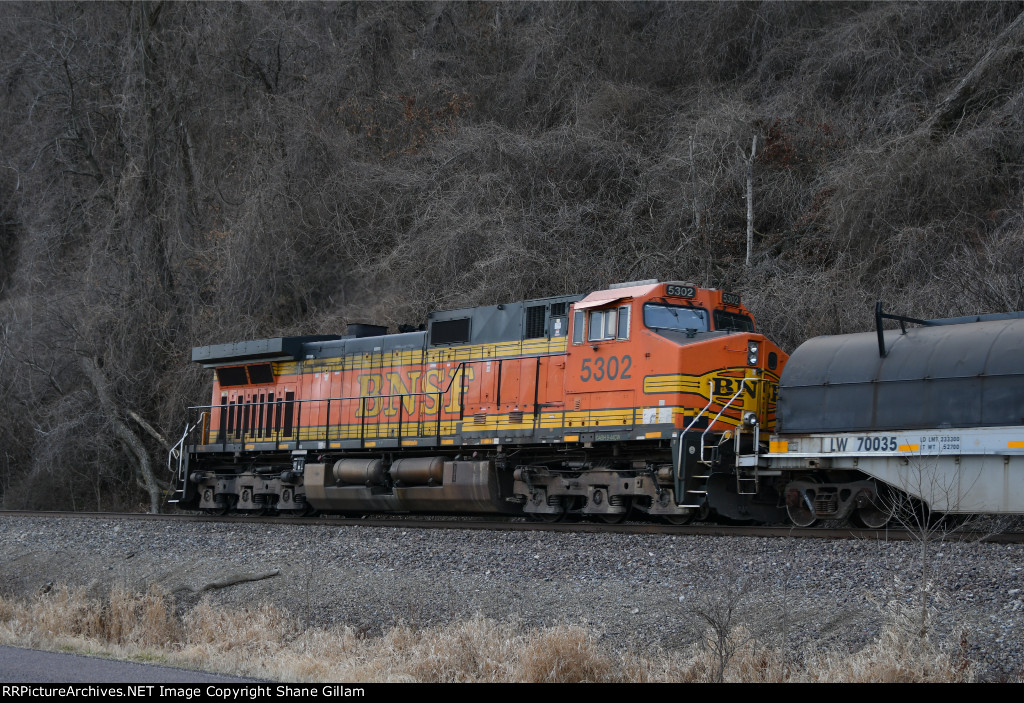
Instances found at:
x=637 y=591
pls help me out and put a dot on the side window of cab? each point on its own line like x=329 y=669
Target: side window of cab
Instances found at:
x=608 y=324
x=602 y=325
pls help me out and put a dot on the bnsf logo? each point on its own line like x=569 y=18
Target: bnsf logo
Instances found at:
x=725 y=388
x=411 y=385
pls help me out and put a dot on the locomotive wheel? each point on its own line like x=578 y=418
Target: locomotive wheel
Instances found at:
x=553 y=517
x=616 y=518
x=221 y=510
x=216 y=512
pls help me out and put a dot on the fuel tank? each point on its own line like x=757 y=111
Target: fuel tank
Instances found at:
x=952 y=373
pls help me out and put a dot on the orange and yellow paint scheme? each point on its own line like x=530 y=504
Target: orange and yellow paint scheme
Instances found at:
x=623 y=372
x=583 y=386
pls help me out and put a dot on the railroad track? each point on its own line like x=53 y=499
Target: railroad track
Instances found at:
x=521 y=525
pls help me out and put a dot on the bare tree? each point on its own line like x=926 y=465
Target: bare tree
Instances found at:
x=183 y=174
x=720 y=612
x=920 y=485
x=750 y=198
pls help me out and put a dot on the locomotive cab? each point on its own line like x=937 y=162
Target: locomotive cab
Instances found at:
x=652 y=367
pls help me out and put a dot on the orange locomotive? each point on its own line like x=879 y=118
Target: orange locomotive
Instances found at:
x=641 y=397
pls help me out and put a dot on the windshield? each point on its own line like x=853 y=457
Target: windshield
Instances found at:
x=733 y=322
x=675 y=317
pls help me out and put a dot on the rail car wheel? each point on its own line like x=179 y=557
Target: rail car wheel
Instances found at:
x=871 y=517
x=877 y=513
x=679 y=519
x=800 y=513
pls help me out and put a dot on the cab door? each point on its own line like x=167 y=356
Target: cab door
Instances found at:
x=600 y=377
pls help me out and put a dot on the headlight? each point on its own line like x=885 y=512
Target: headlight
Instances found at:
x=753 y=352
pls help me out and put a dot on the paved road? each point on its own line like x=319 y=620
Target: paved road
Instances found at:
x=32 y=666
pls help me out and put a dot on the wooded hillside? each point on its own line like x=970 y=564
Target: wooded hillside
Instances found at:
x=181 y=174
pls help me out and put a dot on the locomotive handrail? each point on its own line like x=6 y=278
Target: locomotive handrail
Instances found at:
x=711 y=395
x=711 y=386
x=743 y=382
x=178 y=449
x=680 y=463
x=178 y=452
x=247 y=432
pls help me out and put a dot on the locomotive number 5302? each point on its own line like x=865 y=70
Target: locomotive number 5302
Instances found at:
x=609 y=368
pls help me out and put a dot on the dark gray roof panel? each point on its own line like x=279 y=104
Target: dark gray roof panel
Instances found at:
x=494 y=323
x=363 y=345
x=277 y=348
x=487 y=325
x=956 y=375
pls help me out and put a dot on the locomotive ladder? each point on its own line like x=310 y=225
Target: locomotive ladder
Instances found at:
x=689 y=485
x=177 y=462
x=745 y=485
x=691 y=488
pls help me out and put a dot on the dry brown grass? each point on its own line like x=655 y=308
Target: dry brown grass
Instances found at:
x=900 y=655
x=269 y=643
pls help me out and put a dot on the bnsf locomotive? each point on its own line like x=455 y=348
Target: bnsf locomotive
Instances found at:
x=627 y=399
x=648 y=398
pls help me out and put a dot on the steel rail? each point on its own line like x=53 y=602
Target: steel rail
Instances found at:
x=522 y=525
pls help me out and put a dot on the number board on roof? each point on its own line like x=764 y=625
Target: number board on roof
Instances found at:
x=681 y=291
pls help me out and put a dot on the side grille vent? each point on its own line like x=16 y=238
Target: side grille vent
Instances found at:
x=534 y=322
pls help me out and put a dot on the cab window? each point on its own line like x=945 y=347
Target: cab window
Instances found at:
x=603 y=324
x=659 y=316
x=609 y=324
x=732 y=322
x=623 y=331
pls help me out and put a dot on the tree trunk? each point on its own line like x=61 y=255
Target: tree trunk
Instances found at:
x=750 y=199
x=693 y=187
x=144 y=467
